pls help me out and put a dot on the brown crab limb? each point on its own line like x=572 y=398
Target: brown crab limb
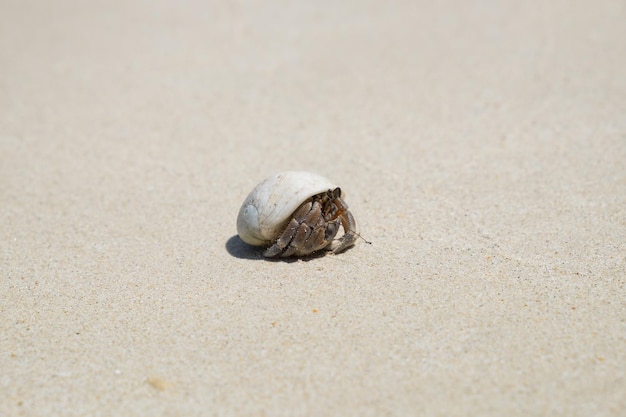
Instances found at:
x=293 y=247
x=307 y=231
x=290 y=231
x=316 y=235
x=349 y=226
x=321 y=236
x=284 y=240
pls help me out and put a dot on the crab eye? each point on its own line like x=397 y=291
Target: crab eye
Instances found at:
x=334 y=194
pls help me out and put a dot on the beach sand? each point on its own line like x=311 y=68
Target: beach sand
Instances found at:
x=482 y=148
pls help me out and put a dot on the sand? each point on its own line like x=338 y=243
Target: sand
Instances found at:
x=482 y=147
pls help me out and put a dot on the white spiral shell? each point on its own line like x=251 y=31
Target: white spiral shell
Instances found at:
x=268 y=208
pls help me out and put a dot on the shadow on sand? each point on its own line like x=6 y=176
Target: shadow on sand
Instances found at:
x=240 y=249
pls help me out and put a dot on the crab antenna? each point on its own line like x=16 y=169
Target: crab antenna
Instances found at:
x=364 y=240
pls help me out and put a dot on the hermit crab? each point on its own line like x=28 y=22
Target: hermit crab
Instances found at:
x=295 y=213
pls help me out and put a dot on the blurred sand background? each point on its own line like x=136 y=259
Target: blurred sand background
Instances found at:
x=482 y=145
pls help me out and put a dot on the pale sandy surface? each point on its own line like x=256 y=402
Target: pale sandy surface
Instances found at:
x=482 y=145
